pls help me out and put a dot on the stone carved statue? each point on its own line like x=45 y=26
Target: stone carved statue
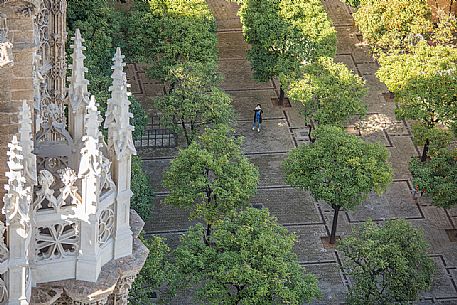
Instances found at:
x=39 y=83
x=18 y=197
x=106 y=181
x=46 y=180
x=68 y=178
x=6 y=47
x=90 y=153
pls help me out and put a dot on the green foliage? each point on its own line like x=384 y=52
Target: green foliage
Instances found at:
x=284 y=34
x=142 y=197
x=424 y=82
x=211 y=176
x=156 y=271
x=437 y=177
x=139 y=119
x=330 y=92
x=165 y=33
x=195 y=101
x=438 y=137
x=388 y=265
x=393 y=24
x=101 y=27
x=249 y=259
x=339 y=168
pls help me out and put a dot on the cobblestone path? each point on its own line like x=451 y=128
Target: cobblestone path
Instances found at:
x=282 y=131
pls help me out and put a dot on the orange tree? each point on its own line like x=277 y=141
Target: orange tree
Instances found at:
x=338 y=168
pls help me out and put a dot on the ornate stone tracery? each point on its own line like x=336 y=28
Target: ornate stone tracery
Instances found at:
x=51 y=66
x=106 y=225
x=56 y=241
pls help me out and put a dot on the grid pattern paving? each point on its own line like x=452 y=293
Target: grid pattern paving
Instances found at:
x=284 y=129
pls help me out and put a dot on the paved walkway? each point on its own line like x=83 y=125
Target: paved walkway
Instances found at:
x=283 y=130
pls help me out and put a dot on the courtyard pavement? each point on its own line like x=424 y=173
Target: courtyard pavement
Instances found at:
x=283 y=130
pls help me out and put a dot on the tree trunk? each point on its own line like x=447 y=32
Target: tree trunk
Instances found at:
x=183 y=124
x=172 y=87
x=425 y=150
x=207 y=234
x=281 y=96
x=310 y=128
x=334 y=224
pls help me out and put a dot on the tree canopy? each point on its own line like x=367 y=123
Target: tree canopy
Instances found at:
x=329 y=91
x=211 y=176
x=388 y=264
x=249 y=259
x=101 y=27
x=424 y=82
x=437 y=177
x=194 y=102
x=285 y=34
x=165 y=33
x=156 y=271
x=339 y=168
x=393 y=24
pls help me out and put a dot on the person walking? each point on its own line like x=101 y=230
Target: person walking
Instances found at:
x=257 y=118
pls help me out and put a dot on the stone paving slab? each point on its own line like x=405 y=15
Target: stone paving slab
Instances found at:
x=153 y=153
x=295 y=117
x=245 y=102
x=376 y=137
x=330 y=283
x=269 y=167
x=395 y=203
x=231 y=45
x=402 y=149
x=347 y=60
x=338 y=12
x=453 y=211
x=238 y=76
x=373 y=83
x=274 y=137
x=437 y=238
x=157 y=168
x=225 y=14
x=345 y=40
x=280 y=202
x=167 y=218
x=362 y=54
x=449 y=302
x=309 y=247
x=398 y=128
x=367 y=68
x=377 y=104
